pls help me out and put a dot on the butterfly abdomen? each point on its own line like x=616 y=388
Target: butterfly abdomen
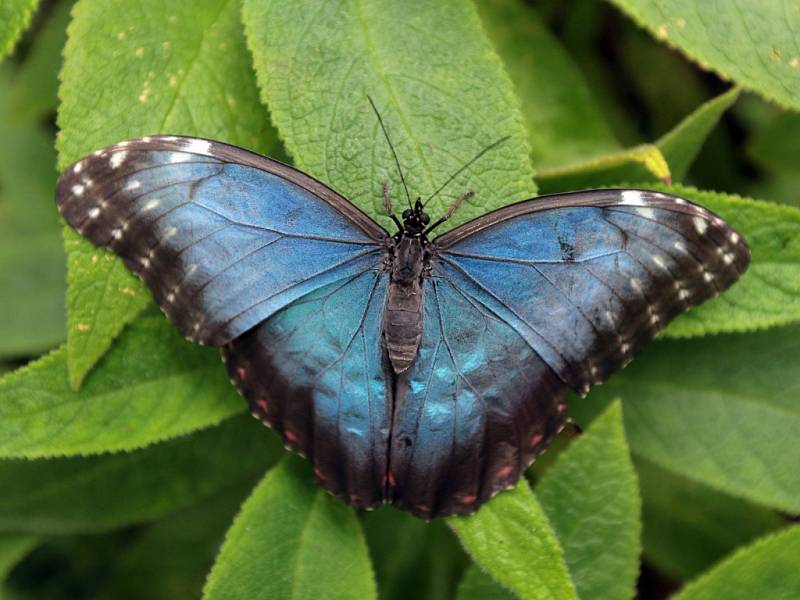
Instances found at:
x=402 y=328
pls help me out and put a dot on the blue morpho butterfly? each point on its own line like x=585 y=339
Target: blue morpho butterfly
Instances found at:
x=428 y=373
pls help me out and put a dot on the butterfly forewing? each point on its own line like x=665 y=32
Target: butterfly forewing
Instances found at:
x=222 y=236
x=588 y=278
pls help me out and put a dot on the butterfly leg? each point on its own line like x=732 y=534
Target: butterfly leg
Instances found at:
x=388 y=200
x=450 y=211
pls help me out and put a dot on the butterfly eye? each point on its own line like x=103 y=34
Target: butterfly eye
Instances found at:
x=406 y=213
x=425 y=219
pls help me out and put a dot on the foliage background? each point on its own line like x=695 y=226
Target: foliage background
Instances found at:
x=124 y=454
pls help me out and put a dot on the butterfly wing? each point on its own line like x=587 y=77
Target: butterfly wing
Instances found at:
x=526 y=301
x=317 y=372
x=223 y=237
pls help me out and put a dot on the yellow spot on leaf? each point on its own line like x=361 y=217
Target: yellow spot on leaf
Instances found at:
x=83 y=326
x=794 y=63
x=681 y=23
x=128 y=291
x=139 y=52
x=95 y=258
x=231 y=100
x=121 y=35
x=172 y=19
x=165 y=45
x=173 y=81
x=662 y=32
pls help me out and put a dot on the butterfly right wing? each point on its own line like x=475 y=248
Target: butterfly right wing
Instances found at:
x=317 y=372
x=223 y=237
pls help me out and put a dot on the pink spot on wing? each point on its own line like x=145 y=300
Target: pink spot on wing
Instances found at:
x=390 y=479
x=467 y=499
x=319 y=474
x=262 y=404
x=292 y=437
x=242 y=372
x=560 y=408
x=536 y=439
x=423 y=507
x=504 y=472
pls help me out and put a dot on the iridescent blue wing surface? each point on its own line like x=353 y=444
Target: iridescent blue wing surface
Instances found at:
x=318 y=373
x=526 y=301
x=222 y=236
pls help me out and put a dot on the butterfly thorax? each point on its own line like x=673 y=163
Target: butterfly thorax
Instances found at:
x=402 y=327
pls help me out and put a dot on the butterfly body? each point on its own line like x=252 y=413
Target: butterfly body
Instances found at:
x=427 y=373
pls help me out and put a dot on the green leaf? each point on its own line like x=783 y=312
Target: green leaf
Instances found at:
x=412 y=558
x=171 y=558
x=563 y=120
x=153 y=386
x=668 y=159
x=682 y=144
x=752 y=43
x=15 y=15
x=32 y=264
x=158 y=67
x=768 y=294
x=721 y=410
x=640 y=162
x=13 y=548
x=592 y=499
x=292 y=540
x=97 y=493
x=769 y=568
x=511 y=538
x=477 y=585
x=317 y=61
x=688 y=526
x=36 y=81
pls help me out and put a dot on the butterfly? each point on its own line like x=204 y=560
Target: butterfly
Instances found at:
x=427 y=372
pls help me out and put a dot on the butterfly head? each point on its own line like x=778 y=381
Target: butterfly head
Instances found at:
x=415 y=220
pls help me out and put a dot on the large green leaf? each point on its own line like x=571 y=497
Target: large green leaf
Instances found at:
x=769 y=569
x=592 y=500
x=97 y=493
x=477 y=585
x=688 y=526
x=753 y=43
x=769 y=292
x=153 y=386
x=512 y=539
x=317 y=61
x=32 y=265
x=36 y=81
x=14 y=18
x=722 y=410
x=292 y=540
x=134 y=70
x=563 y=120
x=667 y=159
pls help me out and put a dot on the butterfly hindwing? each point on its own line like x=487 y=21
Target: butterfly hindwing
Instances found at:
x=317 y=372
x=588 y=278
x=475 y=409
x=222 y=236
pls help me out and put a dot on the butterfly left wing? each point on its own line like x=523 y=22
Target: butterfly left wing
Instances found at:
x=223 y=237
x=550 y=293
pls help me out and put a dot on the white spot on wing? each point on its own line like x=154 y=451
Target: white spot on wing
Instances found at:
x=133 y=184
x=178 y=157
x=647 y=213
x=633 y=198
x=659 y=261
x=679 y=246
x=728 y=258
x=700 y=224
x=734 y=237
x=198 y=146
x=151 y=204
x=117 y=159
x=78 y=167
x=77 y=189
x=94 y=213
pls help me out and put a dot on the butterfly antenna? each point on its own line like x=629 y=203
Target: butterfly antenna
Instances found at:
x=396 y=160
x=491 y=146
